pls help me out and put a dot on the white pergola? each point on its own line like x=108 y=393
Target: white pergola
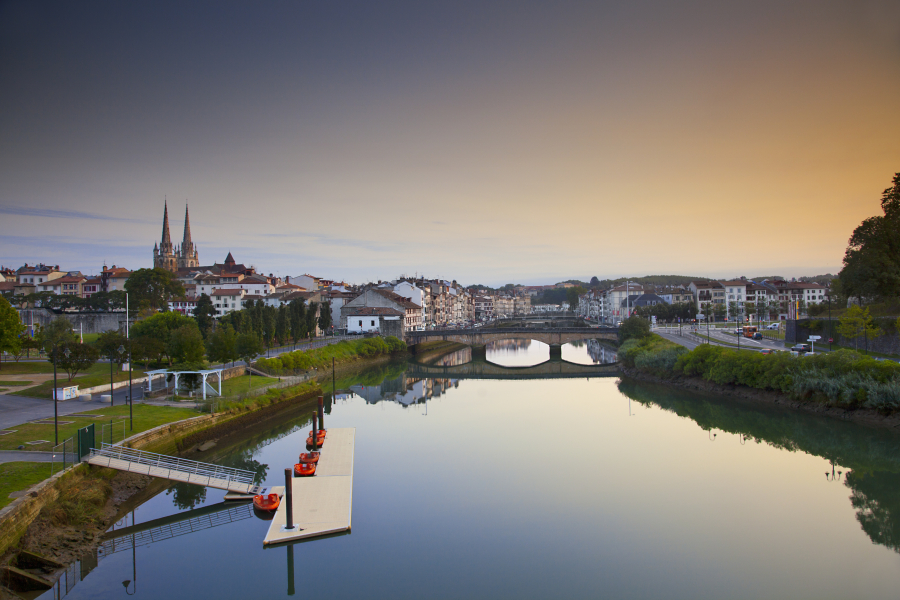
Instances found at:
x=176 y=374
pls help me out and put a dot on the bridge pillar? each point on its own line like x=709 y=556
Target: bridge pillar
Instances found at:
x=555 y=352
x=479 y=353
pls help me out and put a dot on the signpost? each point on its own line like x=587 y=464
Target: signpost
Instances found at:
x=812 y=342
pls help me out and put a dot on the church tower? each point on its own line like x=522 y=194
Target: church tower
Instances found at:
x=187 y=256
x=164 y=256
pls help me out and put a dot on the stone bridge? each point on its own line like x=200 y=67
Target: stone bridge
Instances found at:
x=555 y=337
x=478 y=369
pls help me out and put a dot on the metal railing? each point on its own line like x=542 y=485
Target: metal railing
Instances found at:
x=216 y=476
x=113 y=432
x=64 y=454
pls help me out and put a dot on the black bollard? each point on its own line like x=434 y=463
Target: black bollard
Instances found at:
x=315 y=436
x=289 y=498
x=321 y=412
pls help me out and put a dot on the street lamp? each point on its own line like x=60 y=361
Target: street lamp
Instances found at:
x=130 y=401
x=67 y=352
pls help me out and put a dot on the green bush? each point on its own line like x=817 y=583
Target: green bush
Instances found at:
x=346 y=351
x=652 y=354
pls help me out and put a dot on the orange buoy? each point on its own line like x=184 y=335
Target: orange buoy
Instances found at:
x=309 y=458
x=304 y=470
x=319 y=442
x=319 y=433
x=269 y=502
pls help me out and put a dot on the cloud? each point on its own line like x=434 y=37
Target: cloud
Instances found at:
x=63 y=214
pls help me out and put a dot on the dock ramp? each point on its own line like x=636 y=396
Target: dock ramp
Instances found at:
x=174 y=468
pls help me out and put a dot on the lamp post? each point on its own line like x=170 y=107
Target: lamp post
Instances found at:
x=830 y=324
x=130 y=402
x=67 y=352
x=112 y=401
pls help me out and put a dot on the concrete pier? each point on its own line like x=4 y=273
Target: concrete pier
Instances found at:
x=322 y=504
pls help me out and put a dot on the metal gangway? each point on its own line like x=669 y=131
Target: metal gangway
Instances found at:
x=174 y=468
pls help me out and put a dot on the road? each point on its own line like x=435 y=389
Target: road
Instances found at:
x=718 y=337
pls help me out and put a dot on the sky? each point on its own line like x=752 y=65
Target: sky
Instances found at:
x=487 y=142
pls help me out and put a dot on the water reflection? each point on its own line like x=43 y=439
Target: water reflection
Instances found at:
x=868 y=459
x=670 y=515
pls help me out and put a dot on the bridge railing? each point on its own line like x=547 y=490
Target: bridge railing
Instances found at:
x=174 y=464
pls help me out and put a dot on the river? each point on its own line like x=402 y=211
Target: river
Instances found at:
x=541 y=488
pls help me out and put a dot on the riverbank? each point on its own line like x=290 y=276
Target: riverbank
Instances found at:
x=63 y=517
x=843 y=384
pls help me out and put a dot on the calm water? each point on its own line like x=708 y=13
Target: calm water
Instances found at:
x=568 y=488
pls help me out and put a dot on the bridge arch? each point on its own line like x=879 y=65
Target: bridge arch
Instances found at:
x=478 y=338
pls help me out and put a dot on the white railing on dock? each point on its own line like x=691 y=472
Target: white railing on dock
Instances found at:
x=174 y=468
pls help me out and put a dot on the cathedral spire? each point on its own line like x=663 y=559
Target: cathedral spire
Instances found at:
x=166 y=238
x=186 y=245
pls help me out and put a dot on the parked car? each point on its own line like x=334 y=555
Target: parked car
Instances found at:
x=766 y=351
x=801 y=348
x=772 y=326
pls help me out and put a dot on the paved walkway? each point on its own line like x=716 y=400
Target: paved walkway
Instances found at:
x=15 y=410
x=26 y=456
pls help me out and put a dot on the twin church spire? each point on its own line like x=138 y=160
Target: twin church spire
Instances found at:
x=170 y=257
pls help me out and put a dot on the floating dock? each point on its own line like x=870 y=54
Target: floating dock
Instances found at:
x=323 y=504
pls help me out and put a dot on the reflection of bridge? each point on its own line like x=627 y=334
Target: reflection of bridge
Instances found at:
x=174 y=526
x=480 y=369
x=554 y=337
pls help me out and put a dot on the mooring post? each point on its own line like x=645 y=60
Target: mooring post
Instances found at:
x=322 y=412
x=289 y=498
x=315 y=436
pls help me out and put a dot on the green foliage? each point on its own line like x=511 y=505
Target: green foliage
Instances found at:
x=108 y=344
x=668 y=312
x=11 y=328
x=633 y=327
x=856 y=322
x=159 y=327
x=221 y=347
x=152 y=289
x=572 y=294
x=651 y=354
x=79 y=358
x=186 y=345
x=205 y=314
x=248 y=346
x=872 y=260
x=346 y=351
x=59 y=331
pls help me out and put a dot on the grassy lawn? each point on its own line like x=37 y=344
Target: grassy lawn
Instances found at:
x=98 y=374
x=15 y=383
x=240 y=385
x=145 y=417
x=18 y=476
x=25 y=368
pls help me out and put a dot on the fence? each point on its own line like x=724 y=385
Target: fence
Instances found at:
x=63 y=455
x=112 y=432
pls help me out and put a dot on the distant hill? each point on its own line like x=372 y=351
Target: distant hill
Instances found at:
x=660 y=281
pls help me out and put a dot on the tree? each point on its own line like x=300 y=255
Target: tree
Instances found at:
x=147 y=348
x=80 y=358
x=633 y=327
x=11 y=329
x=221 y=347
x=186 y=345
x=109 y=342
x=594 y=282
x=205 y=314
x=324 y=317
x=249 y=346
x=281 y=325
x=56 y=333
x=572 y=294
x=152 y=288
x=872 y=259
x=297 y=310
x=311 y=317
x=856 y=322
x=160 y=326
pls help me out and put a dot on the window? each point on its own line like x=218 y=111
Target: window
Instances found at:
x=373 y=323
